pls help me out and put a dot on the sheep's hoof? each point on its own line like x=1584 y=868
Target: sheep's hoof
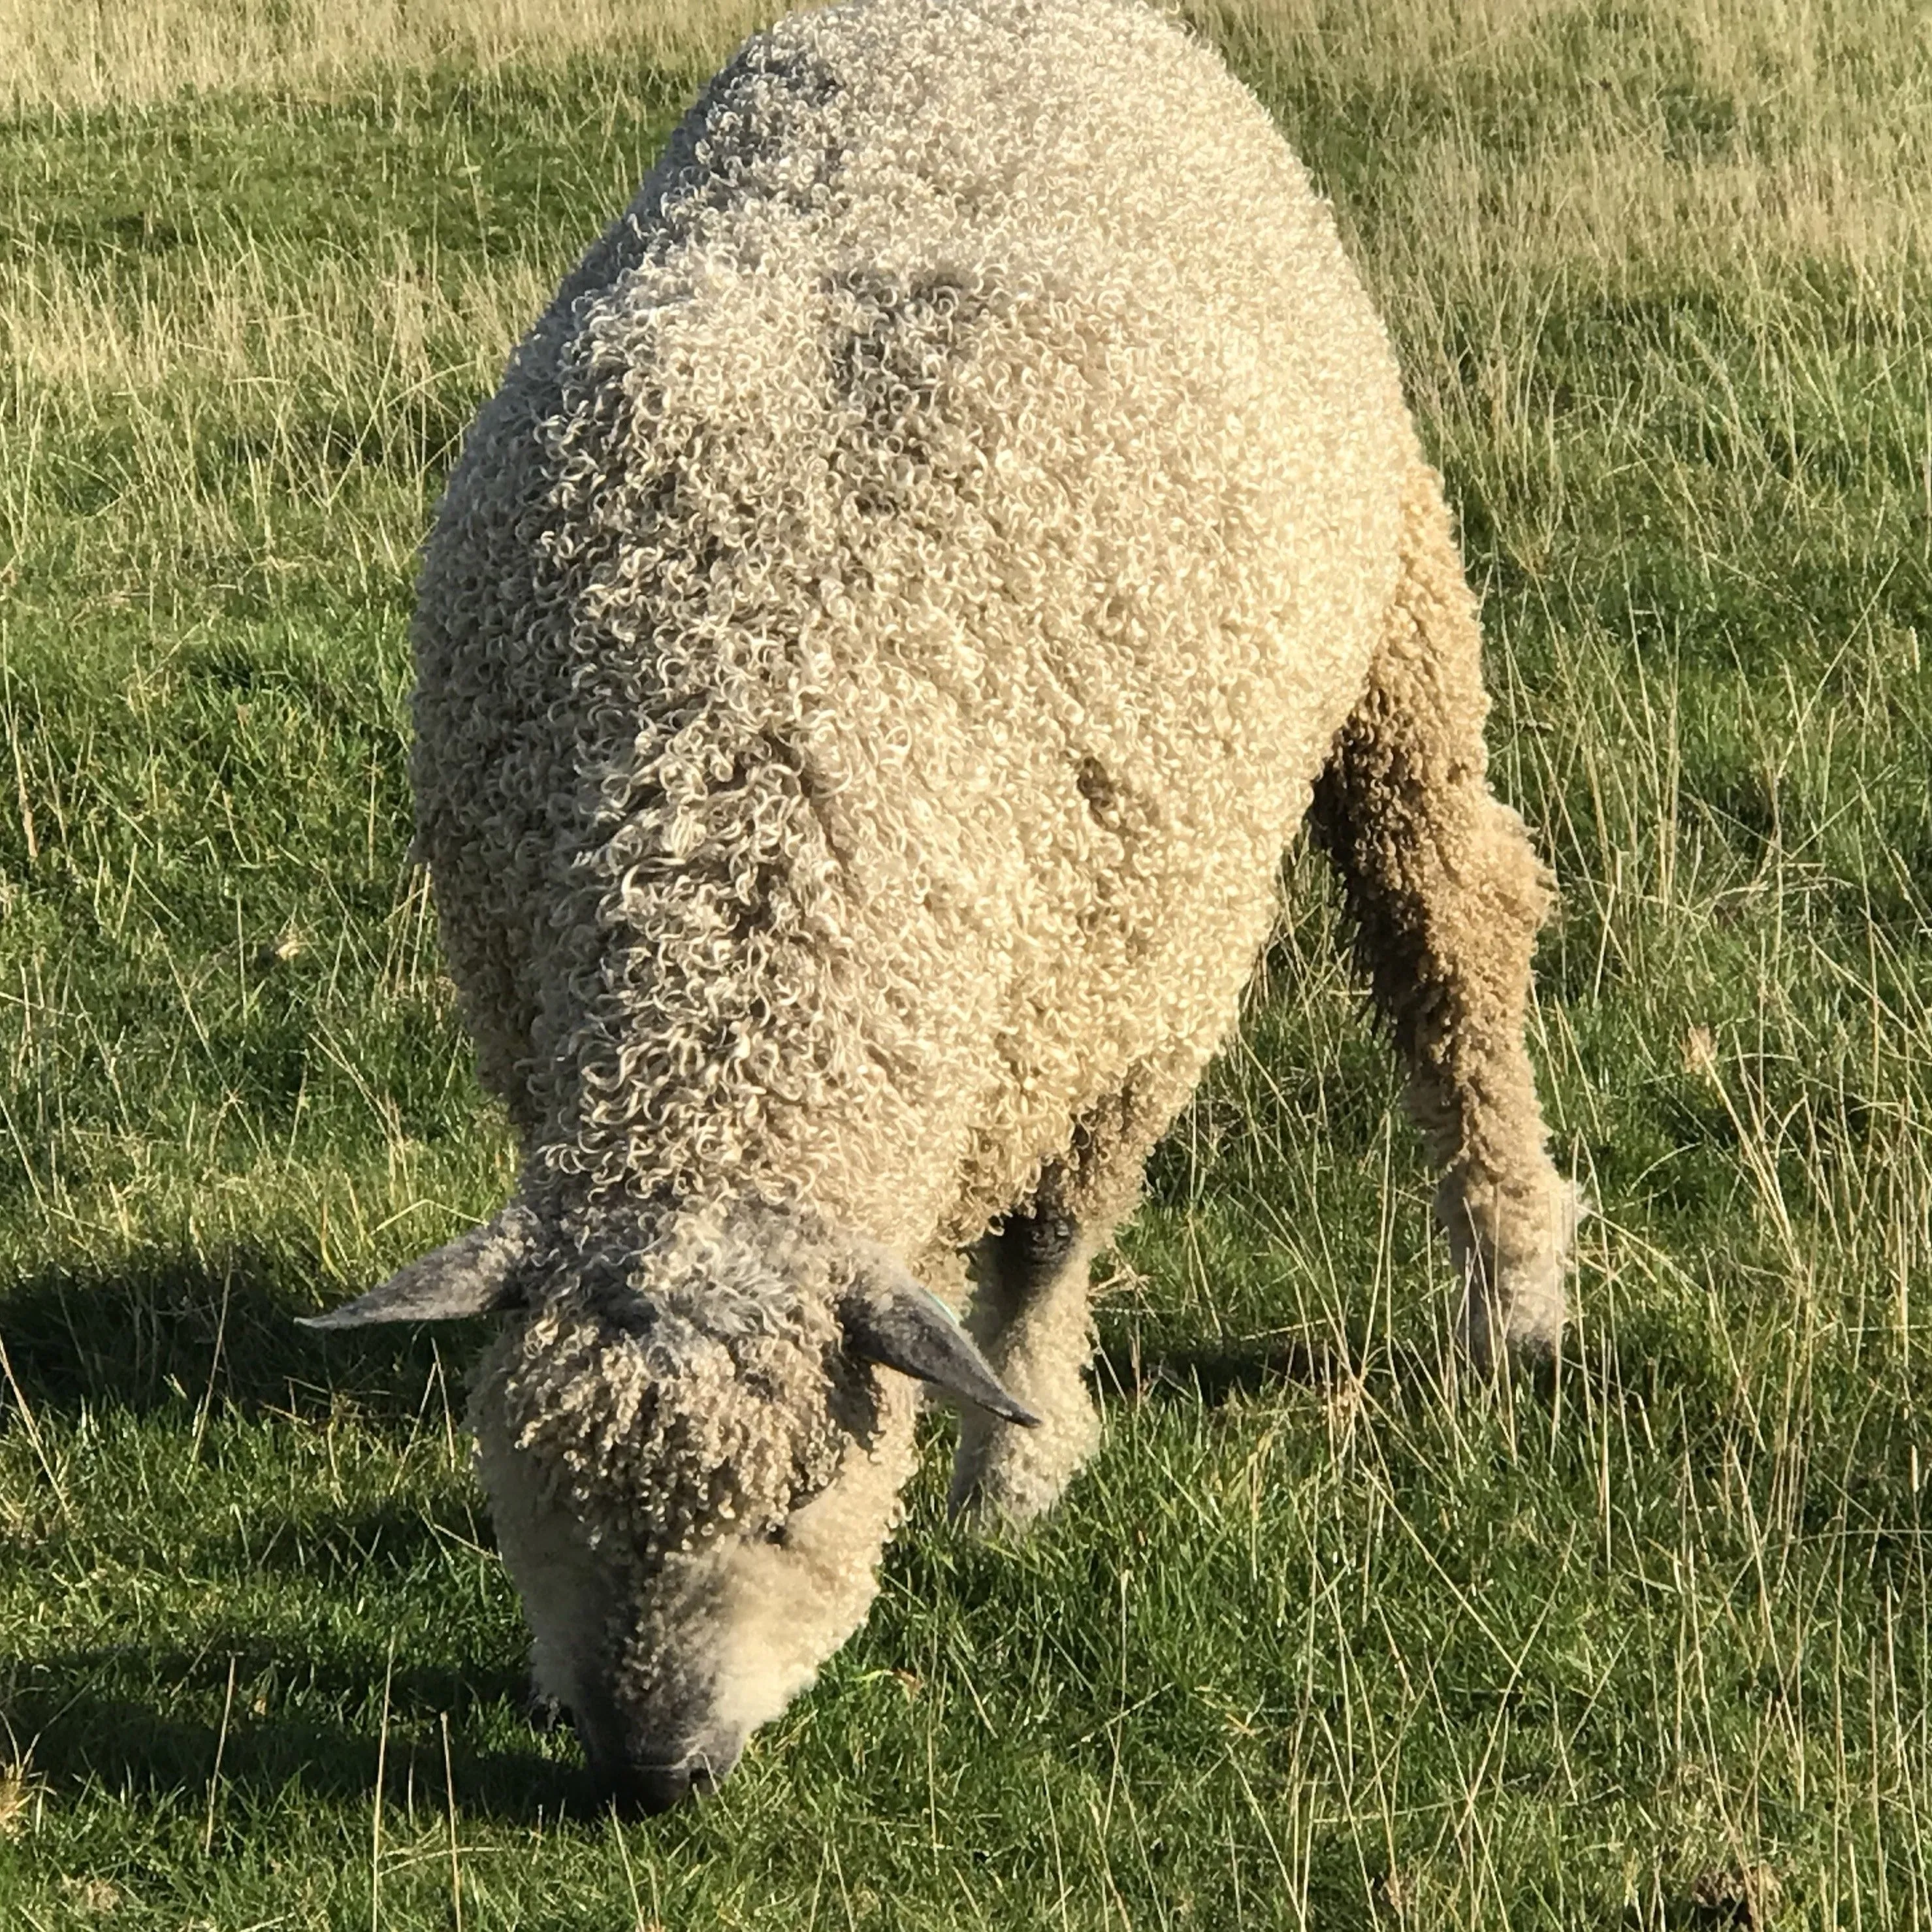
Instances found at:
x=1513 y=1325
x=1514 y=1312
x=1518 y=1356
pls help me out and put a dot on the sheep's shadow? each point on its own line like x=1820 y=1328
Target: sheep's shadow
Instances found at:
x=1212 y=1377
x=171 y=1328
x=1128 y=1374
x=147 y=1724
x=179 y=1336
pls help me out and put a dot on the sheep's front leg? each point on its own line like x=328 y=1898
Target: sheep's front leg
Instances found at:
x=1029 y=1316
x=1447 y=895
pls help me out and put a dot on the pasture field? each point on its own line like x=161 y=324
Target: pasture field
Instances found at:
x=1322 y=1640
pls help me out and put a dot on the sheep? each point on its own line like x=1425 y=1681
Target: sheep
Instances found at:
x=933 y=552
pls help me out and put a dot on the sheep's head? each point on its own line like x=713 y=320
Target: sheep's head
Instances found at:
x=692 y=1462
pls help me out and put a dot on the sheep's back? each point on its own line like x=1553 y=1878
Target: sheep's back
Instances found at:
x=876 y=647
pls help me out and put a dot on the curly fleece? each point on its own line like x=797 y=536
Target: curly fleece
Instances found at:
x=872 y=653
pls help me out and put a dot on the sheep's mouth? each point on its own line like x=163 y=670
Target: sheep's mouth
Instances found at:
x=638 y=1787
x=634 y=1790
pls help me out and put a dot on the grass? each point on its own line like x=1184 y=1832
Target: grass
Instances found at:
x=1321 y=1640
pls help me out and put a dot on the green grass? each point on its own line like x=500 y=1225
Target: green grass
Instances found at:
x=1322 y=1639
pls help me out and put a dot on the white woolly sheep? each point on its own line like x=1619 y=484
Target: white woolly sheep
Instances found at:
x=871 y=655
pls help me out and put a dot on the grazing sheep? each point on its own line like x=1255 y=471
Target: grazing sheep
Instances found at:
x=871 y=655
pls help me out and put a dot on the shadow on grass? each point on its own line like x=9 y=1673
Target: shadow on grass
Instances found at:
x=173 y=1332
x=1652 y=1372
x=1210 y=1378
x=170 y=1328
x=332 y=1549
x=110 y=1718
x=1227 y=1372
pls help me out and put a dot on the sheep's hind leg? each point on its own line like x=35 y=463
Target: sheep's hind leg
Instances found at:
x=1446 y=896
x=1029 y=1316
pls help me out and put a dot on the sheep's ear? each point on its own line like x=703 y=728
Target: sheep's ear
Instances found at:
x=889 y=1319
x=474 y=1274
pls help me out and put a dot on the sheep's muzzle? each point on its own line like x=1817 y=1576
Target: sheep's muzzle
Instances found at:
x=643 y=1790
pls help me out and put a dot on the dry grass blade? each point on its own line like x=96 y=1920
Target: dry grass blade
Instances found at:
x=55 y=55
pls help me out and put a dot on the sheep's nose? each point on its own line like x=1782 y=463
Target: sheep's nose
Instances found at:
x=643 y=1790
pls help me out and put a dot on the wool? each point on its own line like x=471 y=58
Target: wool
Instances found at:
x=871 y=654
